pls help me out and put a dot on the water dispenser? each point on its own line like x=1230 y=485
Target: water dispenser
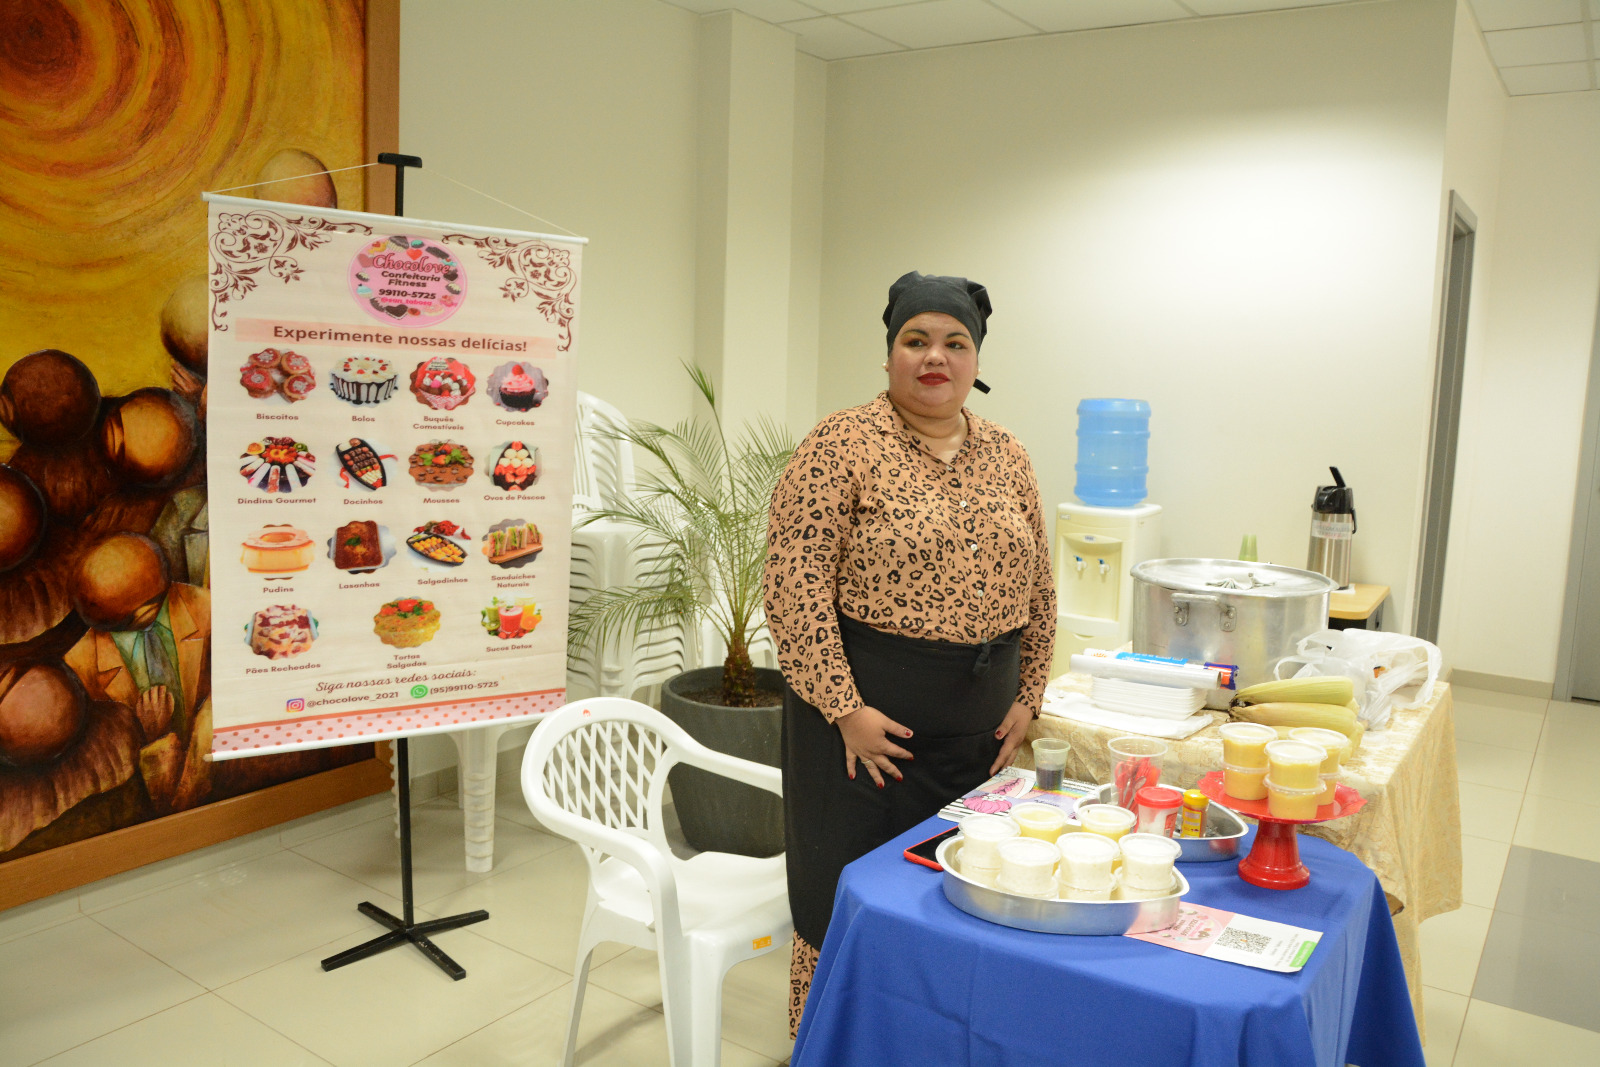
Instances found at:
x=1095 y=549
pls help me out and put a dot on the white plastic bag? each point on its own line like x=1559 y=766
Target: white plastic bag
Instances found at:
x=1387 y=669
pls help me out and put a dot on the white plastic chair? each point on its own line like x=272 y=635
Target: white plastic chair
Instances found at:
x=595 y=772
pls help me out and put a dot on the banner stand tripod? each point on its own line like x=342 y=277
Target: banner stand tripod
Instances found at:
x=407 y=929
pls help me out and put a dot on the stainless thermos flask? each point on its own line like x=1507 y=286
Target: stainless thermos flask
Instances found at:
x=1333 y=528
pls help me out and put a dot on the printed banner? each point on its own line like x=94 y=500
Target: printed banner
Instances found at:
x=390 y=453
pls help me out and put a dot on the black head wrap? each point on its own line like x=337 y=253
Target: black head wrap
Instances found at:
x=965 y=301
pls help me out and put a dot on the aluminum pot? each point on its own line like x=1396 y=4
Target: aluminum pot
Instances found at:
x=1249 y=615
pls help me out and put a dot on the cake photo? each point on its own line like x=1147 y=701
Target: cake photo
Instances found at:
x=361 y=464
x=361 y=547
x=513 y=543
x=277 y=464
x=277 y=550
x=517 y=467
x=518 y=386
x=271 y=372
x=441 y=464
x=442 y=383
x=363 y=380
x=281 y=631
x=407 y=622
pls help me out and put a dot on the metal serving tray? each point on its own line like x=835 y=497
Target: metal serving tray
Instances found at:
x=1095 y=917
x=1224 y=830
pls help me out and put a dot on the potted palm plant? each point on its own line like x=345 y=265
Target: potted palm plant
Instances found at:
x=702 y=506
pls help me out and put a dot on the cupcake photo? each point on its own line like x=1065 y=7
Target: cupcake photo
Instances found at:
x=518 y=386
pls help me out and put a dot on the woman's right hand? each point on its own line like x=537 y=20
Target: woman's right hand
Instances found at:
x=867 y=732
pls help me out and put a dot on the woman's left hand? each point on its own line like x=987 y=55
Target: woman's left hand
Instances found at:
x=1011 y=733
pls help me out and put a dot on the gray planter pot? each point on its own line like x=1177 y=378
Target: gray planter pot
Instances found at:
x=718 y=814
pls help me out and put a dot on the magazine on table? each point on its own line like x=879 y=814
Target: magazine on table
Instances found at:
x=1013 y=786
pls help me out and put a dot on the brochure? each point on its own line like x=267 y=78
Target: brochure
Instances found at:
x=1010 y=787
x=1227 y=935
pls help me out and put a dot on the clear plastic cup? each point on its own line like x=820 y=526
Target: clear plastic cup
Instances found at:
x=984 y=876
x=1028 y=867
x=1073 y=892
x=1244 y=783
x=1244 y=745
x=1107 y=820
x=1147 y=861
x=1330 y=786
x=1296 y=764
x=1050 y=763
x=1044 y=821
x=1284 y=802
x=1135 y=763
x=1337 y=744
x=981 y=836
x=1132 y=892
x=1086 y=860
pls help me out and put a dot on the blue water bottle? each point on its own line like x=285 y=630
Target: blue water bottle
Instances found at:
x=1113 y=452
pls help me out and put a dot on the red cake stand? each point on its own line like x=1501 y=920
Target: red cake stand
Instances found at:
x=1274 y=859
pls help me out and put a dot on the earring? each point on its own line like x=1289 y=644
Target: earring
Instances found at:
x=886 y=366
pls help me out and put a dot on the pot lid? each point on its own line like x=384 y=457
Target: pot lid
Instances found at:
x=1232 y=576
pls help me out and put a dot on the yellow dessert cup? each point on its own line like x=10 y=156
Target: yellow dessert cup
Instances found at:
x=1296 y=764
x=1244 y=744
x=1288 y=803
x=1244 y=783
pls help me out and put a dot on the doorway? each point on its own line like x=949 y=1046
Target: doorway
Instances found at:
x=1578 y=665
x=1446 y=420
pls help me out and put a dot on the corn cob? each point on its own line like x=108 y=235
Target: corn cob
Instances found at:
x=1333 y=689
x=1284 y=714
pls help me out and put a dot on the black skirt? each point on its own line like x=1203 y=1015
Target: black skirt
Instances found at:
x=953 y=697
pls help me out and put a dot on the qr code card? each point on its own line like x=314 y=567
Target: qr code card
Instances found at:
x=1226 y=935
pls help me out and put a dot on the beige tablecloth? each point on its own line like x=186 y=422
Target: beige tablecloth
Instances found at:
x=1409 y=832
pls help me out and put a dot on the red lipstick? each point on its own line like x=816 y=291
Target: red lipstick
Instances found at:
x=933 y=378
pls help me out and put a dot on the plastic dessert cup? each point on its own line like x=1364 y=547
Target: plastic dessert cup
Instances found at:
x=1244 y=783
x=1028 y=867
x=1295 y=765
x=1284 y=802
x=1086 y=860
x=984 y=876
x=1073 y=892
x=982 y=835
x=1147 y=861
x=1131 y=892
x=1044 y=821
x=1135 y=763
x=1337 y=744
x=1244 y=745
x=1107 y=820
x=1330 y=786
x=1050 y=763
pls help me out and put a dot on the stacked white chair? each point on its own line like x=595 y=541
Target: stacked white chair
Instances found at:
x=595 y=772
x=607 y=555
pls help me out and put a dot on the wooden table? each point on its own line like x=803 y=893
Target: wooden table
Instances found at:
x=1360 y=606
x=1409 y=832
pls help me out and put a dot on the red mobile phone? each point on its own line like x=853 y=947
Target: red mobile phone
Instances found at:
x=923 y=852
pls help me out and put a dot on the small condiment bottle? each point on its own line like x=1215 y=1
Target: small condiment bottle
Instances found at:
x=1192 y=820
x=1158 y=810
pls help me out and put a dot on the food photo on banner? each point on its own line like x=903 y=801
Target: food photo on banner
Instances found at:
x=393 y=421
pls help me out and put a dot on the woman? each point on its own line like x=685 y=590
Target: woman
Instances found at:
x=909 y=591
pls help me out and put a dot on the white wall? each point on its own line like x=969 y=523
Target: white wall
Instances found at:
x=584 y=113
x=1235 y=219
x=1474 y=141
x=1526 y=394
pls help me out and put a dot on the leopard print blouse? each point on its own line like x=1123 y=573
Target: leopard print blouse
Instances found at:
x=867 y=521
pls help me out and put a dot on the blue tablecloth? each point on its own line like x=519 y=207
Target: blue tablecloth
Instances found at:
x=907 y=978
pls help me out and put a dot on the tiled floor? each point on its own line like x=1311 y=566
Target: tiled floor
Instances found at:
x=1514 y=976
x=212 y=958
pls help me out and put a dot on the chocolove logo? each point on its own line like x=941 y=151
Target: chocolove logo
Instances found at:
x=408 y=281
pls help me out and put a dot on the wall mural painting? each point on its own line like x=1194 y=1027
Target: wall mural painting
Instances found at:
x=114 y=117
